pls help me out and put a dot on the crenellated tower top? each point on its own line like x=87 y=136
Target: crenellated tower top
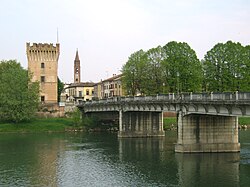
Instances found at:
x=42 y=52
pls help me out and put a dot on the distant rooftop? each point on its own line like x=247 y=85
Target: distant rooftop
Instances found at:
x=81 y=84
x=112 y=78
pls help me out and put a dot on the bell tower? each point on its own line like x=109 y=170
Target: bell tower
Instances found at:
x=77 y=69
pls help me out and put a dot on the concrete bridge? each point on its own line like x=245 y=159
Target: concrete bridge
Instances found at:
x=206 y=122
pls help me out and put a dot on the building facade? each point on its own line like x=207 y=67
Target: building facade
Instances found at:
x=78 y=92
x=43 y=64
x=111 y=87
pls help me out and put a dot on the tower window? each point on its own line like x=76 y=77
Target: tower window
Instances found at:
x=42 y=78
x=42 y=65
x=87 y=92
x=42 y=98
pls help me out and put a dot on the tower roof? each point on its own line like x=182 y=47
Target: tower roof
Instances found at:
x=77 y=56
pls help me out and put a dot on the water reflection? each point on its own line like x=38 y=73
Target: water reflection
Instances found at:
x=146 y=148
x=105 y=160
x=140 y=148
x=216 y=169
x=153 y=159
x=29 y=160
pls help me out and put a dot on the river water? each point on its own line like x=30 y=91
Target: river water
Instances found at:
x=104 y=160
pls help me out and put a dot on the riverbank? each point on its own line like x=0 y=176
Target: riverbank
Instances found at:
x=38 y=125
x=67 y=125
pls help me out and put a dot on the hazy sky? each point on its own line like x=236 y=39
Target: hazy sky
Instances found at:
x=107 y=32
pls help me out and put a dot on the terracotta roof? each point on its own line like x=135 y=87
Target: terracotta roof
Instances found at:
x=112 y=78
x=81 y=84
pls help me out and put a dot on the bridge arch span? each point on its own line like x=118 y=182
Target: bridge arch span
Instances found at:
x=204 y=117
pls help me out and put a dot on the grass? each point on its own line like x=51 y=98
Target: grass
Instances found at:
x=244 y=121
x=38 y=125
x=168 y=122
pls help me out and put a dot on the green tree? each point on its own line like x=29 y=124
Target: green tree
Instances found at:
x=19 y=96
x=226 y=67
x=153 y=83
x=246 y=79
x=172 y=68
x=182 y=70
x=134 y=73
x=60 y=87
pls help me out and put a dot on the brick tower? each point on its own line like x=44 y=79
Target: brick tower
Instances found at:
x=77 y=69
x=43 y=63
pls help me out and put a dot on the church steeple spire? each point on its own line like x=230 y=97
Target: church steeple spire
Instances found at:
x=77 y=69
x=77 y=56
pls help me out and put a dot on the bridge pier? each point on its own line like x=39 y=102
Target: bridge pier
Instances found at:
x=140 y=124
x=207 y=133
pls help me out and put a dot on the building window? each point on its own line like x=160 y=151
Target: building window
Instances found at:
x=80 y=93
x=42 y=65
x=42 y=98
x=111 y=86
x=42 y=78
x=87 y=92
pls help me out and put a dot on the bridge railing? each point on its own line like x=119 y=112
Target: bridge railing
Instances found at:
x=244 y=96
x=213 y=96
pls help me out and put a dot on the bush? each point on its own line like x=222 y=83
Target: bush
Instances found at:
x=76 y=116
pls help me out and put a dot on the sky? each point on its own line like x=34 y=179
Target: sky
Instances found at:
x=107 y=32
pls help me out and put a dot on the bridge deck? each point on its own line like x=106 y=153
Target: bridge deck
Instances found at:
x=230 y=104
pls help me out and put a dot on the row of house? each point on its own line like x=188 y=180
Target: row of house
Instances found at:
x=110 y=87
x=84 y=91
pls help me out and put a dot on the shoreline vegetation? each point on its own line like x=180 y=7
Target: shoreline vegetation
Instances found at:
x=40 y=125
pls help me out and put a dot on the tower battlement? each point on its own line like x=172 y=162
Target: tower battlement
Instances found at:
x=42 y=51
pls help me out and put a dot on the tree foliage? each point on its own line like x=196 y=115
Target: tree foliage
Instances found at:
x=134 y=73
x=172 y=68
x=226 y=68
x=154 y=76
x=182 y=69
x=60 y=87
x=19 y=96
